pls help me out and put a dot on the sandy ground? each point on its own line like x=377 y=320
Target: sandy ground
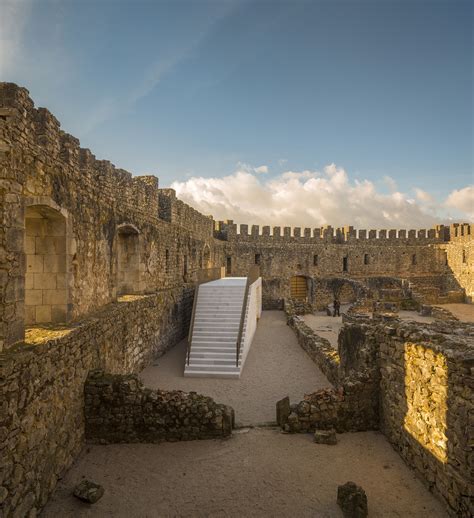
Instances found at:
x=276 y=367
x=256 y=473
x=325 y=326
x=465 y=312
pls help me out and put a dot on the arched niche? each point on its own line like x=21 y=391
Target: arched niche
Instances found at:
x=46 y=276
x=128 y=259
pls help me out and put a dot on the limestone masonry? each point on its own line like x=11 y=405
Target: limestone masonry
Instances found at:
x=98 y=270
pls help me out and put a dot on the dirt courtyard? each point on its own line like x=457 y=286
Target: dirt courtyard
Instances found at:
x=276 y=367
x=256 y=473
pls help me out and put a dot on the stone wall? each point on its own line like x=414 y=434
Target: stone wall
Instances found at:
x=412 y=381
x=426 y=401
x=78 y=232
x=352 y=404
x=318 y=349
x=460 y=257
x=119 y=409
x=328 y=254
x=42 y=387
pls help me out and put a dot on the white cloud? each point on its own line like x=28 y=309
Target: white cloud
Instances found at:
x=423 y=196
x=463 y=201
x=313 y=198
x=261 y=169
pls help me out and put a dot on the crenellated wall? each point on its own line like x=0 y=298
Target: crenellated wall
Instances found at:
x=460 y=256
x=45 y=175
x=326 y=254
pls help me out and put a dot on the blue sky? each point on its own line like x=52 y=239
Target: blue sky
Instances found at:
x=187 y=89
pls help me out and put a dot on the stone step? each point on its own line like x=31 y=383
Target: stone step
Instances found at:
x=209 y=367
x=211 y=361
x=193 y=373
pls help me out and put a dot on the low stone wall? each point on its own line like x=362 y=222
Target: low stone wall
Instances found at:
x=352 y=405
x=42 y=388
x=414 y=382
x=118 y=409
x=426 y=401
x=319 y=349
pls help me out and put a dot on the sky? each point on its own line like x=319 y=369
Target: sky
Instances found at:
x=271 y=112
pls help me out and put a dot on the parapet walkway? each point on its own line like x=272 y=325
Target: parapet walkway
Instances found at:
x=276 y=367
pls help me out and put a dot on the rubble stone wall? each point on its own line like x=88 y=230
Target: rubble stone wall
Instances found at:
x=92 y=212
x=460 y=257
x=119 y=409
x=426 y=401
x=42 y=388
x=412 y=381
x=326 y=253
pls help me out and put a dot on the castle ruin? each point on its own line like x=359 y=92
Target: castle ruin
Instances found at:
x=98 y=270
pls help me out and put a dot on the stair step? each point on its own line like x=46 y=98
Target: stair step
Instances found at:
x=209 y=367
x=216 y=374
x=197 y=362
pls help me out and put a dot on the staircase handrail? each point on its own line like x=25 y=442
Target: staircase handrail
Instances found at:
x=253 y=275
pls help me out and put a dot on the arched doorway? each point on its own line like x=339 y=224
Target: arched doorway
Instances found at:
x=299 y=287
x=46 y=286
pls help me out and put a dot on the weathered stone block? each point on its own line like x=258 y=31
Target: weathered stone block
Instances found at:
x=352 y=499
x=283 y=411
x=88 y=491
x=325 y=436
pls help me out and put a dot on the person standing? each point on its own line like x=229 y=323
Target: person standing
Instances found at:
x=336 y=306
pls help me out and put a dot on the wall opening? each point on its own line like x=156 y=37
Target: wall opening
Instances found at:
x=413 y=259
x=258 y=258
x=167 y=261
x=128 y=260
x=228 y=266
x=464 y=258
x=185 y=265
x=298 y=287
x=366 y=259
x=315 y=260
x=46 y=283
x=345 y=264
x=207 y=257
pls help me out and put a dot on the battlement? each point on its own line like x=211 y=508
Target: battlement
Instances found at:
x=228 y=230
x=37 y=129
x=461 y=232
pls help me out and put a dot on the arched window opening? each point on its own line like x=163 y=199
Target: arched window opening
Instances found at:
x=464 y=256
x=128 y=259
x=46 y=283
x=258 y=258
x=366 y=259
x=228 y=266
x=413 y=259
x=315 y=260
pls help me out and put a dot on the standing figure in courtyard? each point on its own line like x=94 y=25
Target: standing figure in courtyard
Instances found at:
x=336 y=306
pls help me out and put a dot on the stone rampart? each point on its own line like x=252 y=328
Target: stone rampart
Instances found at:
x=42 y=387
x=78 y=232
x=119 y=409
